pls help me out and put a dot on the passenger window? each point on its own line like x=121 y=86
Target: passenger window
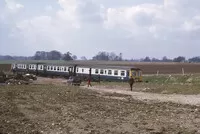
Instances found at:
x=58 y=68
x=122 y=73
x=116 y=72
x=55 y=68
x=77 y=70
x=41 y=67
x=109 y=72
x=65 y=69
x=101 y=71
x=105 y=72
x=96 y=71
x=82 y=70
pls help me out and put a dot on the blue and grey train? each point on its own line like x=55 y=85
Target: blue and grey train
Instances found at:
x=108 y=73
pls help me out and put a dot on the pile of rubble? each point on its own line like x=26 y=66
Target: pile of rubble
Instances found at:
x=17 y=79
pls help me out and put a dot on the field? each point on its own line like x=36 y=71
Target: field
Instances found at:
x=5 y=67
x=147 y=67
x=167 y=103
x=49 y=107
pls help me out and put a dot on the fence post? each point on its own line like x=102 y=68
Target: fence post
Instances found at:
x=157 y=72
x=183 y=71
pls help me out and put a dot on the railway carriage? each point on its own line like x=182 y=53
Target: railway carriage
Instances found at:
x=108 y=73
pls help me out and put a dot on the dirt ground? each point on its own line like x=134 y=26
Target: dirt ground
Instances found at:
x=51 y=107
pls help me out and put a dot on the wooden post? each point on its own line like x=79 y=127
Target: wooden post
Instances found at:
x=183 y=72
x=157 y=72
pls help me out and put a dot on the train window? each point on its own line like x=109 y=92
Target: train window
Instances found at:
x=58 y=68
x=41 y=67
x=82 y=70
x=101 y=71
x=51 y=68
x=62 y=69
x=133 y=73
x=65 y=69
x=69 y=69
x=116 y=72
x=55 y=68
x=105 y=72
x=109 y=72
x=122 y=73
x=77 y=70
x=30 y=66
x=96 y=71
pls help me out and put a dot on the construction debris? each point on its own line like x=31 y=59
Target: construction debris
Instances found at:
x=16 y=79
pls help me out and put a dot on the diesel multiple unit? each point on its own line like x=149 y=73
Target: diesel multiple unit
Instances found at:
x=109 y=73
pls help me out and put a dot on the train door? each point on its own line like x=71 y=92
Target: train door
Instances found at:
x=45 y=70
x=70 y=70
x=74 y=70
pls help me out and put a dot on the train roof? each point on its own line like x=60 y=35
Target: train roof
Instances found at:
x=109 y=67
x=99 y=66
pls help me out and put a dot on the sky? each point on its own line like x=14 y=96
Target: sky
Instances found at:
x=135 y=28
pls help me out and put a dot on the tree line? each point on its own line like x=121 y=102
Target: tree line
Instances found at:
x=176 y=59
x=104 y=56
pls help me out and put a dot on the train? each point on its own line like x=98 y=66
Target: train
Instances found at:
x=102 y=72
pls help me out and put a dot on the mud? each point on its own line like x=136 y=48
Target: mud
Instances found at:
x=61 y=109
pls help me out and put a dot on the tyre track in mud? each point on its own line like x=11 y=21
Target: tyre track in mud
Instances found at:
x=153 y=97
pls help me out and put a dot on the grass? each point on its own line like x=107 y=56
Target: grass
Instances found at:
x=167 y=84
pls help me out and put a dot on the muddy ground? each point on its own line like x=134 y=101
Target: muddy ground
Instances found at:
x=55 y=108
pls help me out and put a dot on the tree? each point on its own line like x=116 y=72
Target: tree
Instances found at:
x=120 y=56
x=67 y=56
x=112 y=56
x=194 y=59
x=147 y=59
x=165 y=59
x=179 y=59
x=101 y=56
x=54 y=55
x=83 y=58
x=74 y=57
x=37 y=55
x=155 y=60
x=108 y=56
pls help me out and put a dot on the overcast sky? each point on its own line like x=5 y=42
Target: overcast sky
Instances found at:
x=137 y=28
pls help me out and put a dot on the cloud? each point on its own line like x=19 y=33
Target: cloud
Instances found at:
x=86 y=27
x=146 y=19
x=12 y=6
